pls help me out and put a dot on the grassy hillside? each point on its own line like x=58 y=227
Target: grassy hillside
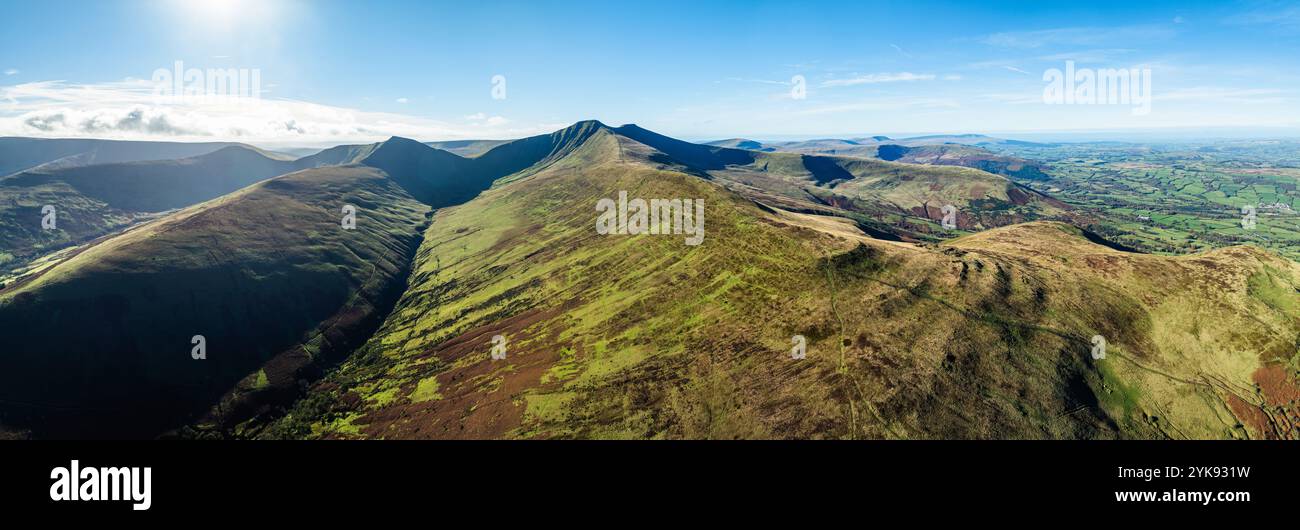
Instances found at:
x=647 y=337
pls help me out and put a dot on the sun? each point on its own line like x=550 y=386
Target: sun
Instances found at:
x=214 y=13
x=222 y=9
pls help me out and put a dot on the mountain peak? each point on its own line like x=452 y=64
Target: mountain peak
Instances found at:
x=584 y=124
x=396 y=141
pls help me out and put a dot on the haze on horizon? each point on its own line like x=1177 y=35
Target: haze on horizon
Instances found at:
x=336 y=72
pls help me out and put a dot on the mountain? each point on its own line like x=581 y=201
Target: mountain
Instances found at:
x=337 y=156
x=959 y=150
x=19 y=154
x=466 y=148
x=742 y=143
x=618 y=336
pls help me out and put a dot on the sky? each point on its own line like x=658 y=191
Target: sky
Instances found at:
x=331 y=71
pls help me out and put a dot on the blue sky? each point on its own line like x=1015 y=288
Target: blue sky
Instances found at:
x=335 y=71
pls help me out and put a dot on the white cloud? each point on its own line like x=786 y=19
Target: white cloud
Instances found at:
x=762 y=81
x=1016 y=70
x=128 y=110
x=403 y=100
x=883 y=104
x=870 y=79
x=11 y=71
x=1253 y=96
x=1087 y=56
x=1277 y=16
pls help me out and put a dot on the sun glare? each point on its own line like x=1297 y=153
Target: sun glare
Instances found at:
x=225 y=14
x=221 y=10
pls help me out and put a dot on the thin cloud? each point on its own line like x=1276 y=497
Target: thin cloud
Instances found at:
x=900 y=50
x=883 y=104
x=1087 y=56
x=871 y=79
x=1225 y=95
x=760 y=81
x=1016 y=70
x=1287 y=18
x=11 y=71
x=1082 y=36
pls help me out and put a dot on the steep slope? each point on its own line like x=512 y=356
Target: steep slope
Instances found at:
x=19 y=154
x=613 y=336
x=267 y=275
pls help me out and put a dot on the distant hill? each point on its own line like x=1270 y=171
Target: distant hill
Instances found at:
x=19 y=154
x=899 y=199
x=966 y=150
x=467 y=148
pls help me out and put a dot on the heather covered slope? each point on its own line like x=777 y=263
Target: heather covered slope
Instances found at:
x=612 y=336
x=100 y=344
